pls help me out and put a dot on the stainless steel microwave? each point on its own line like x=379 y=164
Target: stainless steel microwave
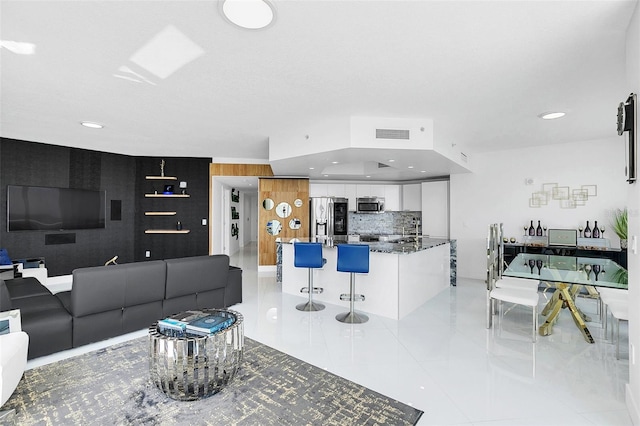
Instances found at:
x=370 y=205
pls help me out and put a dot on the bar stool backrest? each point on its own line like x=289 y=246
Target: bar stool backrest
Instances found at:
x=307 y=255
x=353 y=258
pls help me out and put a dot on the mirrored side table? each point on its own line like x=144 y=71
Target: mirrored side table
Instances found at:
x=194 y=367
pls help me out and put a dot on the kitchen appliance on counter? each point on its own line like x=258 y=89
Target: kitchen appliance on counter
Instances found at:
x=370 y=205
x=328 y=219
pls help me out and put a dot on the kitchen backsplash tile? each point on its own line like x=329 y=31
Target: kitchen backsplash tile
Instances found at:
x=384 y=223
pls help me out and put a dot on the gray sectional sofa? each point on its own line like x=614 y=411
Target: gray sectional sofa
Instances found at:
x=109 y=301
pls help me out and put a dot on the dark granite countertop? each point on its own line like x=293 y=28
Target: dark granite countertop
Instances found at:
x=406 y=245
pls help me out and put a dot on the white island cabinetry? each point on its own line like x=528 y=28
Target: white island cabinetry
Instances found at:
x=397 y=283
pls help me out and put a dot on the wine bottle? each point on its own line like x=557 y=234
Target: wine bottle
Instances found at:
x=532 y=230
x=587 y=231
x=539 y=230
x=596 y=231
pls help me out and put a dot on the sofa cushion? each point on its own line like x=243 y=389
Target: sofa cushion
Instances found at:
x=49 y=330
x=104 y=288
x=26 y=287
x=5 y=298
x=196 y=274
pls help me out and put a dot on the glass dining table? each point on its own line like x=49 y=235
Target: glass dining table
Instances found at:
x=570 y=274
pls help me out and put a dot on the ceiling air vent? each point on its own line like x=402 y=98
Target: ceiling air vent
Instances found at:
x=382 y=165
x=392 y=134
x=463 y=157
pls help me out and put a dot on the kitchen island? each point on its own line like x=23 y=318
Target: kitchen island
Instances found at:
x=402 y=276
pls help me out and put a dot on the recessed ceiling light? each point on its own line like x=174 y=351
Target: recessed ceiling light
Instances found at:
x=334 y=162
x=368 y=176
x=423 y=171
x=325 y=175
x=311 y=168
x=391 y=161
x=410 y=167
x=551 y=115
x=249 y=14
x=92 y=124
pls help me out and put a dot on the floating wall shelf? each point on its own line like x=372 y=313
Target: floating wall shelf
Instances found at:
x=161 y=178
x=166 y=231
x=168 y=195
x=159 y=213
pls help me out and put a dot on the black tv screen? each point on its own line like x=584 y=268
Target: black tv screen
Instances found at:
x=32 y=208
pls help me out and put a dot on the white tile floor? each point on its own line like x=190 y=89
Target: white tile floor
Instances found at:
x=441 y=358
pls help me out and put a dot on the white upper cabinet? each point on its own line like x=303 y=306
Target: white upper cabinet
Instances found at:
x=317 y=190
x=350 y=192
x=412 y=197
x=392 y=198
x=435 y=209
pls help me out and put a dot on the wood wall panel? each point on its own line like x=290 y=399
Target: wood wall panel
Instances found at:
x=224 y=169
x=221 y=169
x=281 y=190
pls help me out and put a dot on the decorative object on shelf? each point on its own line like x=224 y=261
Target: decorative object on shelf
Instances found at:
x=168 y=190
x=619 y=223
x=162 y=168
x=178 y=226
x=567 y=197
x=532 y=230
x=587 y=231
x=596 y=231
x=539 y=230
x=513 y=240
x=235 y=196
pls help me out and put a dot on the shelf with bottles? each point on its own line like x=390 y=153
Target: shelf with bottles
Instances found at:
x=535 y=231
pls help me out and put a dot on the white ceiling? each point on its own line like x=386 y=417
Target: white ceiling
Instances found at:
x=173 y=78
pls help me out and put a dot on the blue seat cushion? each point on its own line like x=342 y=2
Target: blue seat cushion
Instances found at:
x=307 y=255
x=353 y=258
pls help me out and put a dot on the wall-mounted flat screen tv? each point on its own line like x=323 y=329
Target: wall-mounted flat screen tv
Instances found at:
x=33 y=208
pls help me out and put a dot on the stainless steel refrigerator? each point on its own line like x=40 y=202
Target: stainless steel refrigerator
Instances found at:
x=328 y=219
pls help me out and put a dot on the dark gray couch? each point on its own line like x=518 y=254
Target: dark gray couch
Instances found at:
x=108 y=301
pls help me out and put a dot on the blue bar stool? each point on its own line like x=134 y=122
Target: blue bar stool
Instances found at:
x=353 y=258
x=309 y=255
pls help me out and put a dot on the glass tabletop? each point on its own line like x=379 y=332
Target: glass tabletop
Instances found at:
x=568 y=269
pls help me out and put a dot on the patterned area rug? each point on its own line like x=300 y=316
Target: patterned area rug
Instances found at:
x=111 y=387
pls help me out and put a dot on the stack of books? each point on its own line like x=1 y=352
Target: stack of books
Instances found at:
x=194 y=323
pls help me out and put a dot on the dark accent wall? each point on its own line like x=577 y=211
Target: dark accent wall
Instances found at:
x=189 y=211
x=122 y=177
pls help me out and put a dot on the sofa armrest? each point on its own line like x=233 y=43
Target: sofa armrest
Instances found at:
x=233 y=290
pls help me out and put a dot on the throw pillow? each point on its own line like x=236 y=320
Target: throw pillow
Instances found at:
x=4 y=257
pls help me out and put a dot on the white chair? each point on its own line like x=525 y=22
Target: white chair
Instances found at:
x=13 y=361
x=511 y=291
x=620 y=312
x=608 y=296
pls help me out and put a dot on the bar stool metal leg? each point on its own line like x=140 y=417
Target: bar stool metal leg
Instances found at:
x=352 y=317
x=310 y=305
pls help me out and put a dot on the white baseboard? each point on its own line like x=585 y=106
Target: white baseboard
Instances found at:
x=632 y=407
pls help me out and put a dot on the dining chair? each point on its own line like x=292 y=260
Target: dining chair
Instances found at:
x=620 y=312
x=509 y=293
